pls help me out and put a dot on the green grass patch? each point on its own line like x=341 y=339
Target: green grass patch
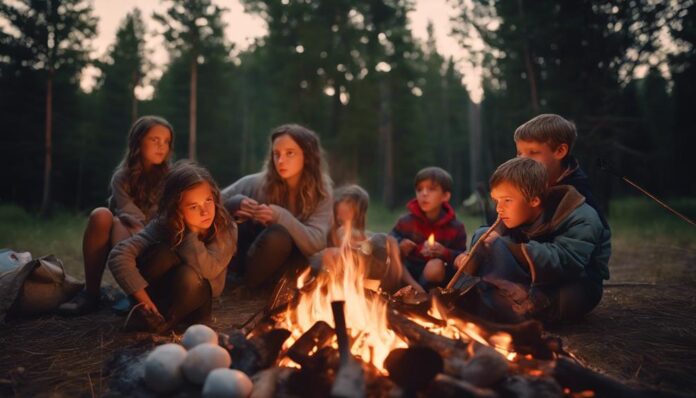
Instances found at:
x=60 y=235
x=638 y=219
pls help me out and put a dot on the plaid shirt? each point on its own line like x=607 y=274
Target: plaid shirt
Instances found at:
x=415 y=226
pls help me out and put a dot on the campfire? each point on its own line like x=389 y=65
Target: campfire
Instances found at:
x=335 y=336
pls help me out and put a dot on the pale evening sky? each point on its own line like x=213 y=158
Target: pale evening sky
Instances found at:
x=242 y=28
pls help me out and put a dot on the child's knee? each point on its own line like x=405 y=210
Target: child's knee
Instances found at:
x=101 y=218
x=434 y=270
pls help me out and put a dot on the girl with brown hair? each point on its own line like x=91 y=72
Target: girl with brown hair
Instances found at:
x=177 y=264
x=135 y=189
x=285 y=210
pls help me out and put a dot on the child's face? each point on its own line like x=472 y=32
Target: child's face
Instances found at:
x=288 y=159
x=197 y=206
x=430 y=196
x=542 y=153
x=344 y=213
x=154 y=147
x=512 y=207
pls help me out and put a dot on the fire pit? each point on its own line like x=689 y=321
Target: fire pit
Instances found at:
x=331 y=336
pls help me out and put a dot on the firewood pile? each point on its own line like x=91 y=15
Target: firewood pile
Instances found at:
x=320 y=362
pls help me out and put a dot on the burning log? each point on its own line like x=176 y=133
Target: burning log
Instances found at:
x=447 y=386
x=265 y=383
x=415 y=334
x=486 y=368
x=524 y=387
x=413 y=368
x=260 y=352
x=350 y=379
x=318 y=336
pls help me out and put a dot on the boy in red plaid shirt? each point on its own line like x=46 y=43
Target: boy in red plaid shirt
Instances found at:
x=430 y=213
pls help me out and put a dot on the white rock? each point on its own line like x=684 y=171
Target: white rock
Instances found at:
x=198 y=334
x=163 y=368
x=227 y=383
x=202 y=359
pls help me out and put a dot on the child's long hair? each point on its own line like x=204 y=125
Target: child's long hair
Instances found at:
x=184 y=175
x=144 y=187
x=357 y=197
x=314 y=183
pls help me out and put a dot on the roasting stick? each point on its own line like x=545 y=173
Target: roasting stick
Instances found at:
x=459 y=272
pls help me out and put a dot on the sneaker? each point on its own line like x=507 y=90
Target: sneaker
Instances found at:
x=83 y=303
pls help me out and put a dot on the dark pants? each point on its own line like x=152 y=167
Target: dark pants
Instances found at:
x=506 y=292
x=180 y=294
x=265 y=254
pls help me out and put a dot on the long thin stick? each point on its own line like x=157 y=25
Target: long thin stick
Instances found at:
x=661 y=203
x=606 y=166
x=471 y=255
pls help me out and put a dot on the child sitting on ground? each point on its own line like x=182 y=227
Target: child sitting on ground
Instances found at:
x=430 y=214
x=547 y=258
x=549 y=140
x=178 y=263
x=378 y=252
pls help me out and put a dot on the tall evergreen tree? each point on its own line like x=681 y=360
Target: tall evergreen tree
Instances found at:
x=50 y=37
x=191 y=28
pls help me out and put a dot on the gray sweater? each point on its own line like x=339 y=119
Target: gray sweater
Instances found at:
x=210 y=261
x=121 y=202
x=309 y=235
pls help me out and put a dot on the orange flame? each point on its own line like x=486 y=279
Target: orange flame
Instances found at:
x=366 y=314
x=431 y=240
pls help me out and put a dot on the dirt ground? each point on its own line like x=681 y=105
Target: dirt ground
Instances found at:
x=643 y=332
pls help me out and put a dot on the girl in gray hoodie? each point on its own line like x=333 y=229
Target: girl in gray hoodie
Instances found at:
x=284 y=211
x=178 y=263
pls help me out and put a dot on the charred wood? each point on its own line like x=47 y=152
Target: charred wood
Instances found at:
x=350 y=378
x=259 y=352
x=446 y=386
x=413 y=368
x=318 y=336
x=486 y=368
x=576 y=377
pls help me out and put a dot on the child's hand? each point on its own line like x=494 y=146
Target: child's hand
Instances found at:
x=436 y=250
x=247 y=209
x=459 y=261
x=406 y=246
x=265 y=215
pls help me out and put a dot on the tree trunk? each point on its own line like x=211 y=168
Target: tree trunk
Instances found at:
x=526 y=53
x=48 y=146
x=192 y=108
x=475 y=149
x=134 y=100
x=244 y=145
x=386 y=138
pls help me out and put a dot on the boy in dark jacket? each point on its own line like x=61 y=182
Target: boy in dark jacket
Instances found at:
x=549 y=255
x=549 y=139
x=430 y=237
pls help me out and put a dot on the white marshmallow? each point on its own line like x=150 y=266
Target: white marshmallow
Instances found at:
x=202 y=359
x=198 y=334
x=163 y=368
x=227 y=383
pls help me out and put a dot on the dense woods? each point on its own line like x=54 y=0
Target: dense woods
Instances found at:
x=384 y=103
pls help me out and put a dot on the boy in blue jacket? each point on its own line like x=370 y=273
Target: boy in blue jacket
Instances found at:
x=548 y=256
